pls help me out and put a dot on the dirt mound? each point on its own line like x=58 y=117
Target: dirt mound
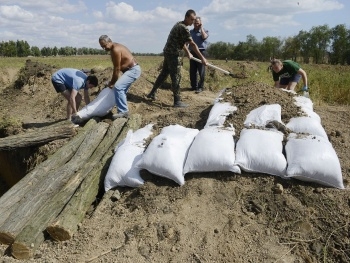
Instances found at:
x=214 y=217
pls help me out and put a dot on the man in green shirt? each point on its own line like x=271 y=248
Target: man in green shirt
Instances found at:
x=286 y=74
x=178 y=39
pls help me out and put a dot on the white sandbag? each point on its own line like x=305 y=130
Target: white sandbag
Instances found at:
x=260 y=116
x=310 y=113
x=122 y=170
x=261 y=151
x=100 y=106
x=166 y=154
x=289 y=91
x=303 y=102
x=213 y=149
x=312 y=158
x=218 y=114
x=306 y=125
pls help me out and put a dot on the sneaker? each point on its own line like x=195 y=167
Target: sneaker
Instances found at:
x=151 y=96
x=199 y=90
x=76 y=119
x=121 y=115
x=180 y=104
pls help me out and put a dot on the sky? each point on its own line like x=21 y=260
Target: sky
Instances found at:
x=143 y=25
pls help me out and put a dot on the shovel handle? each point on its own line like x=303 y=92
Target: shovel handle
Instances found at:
x=212 y=66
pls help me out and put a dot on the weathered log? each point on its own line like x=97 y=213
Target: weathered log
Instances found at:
x=34 y=199
x=38 y=136
x=16 y=150
x=32 y=234
x=66 y=224
x=10 y=200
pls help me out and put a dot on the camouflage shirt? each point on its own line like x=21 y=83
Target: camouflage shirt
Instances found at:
x=178 y=36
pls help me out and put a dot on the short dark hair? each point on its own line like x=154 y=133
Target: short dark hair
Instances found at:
x=190 y=12
x=92 y=80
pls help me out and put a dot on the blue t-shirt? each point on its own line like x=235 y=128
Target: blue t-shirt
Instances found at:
x=71 y=78
x=198 y=39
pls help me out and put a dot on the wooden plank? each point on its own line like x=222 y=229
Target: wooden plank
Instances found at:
x=10 y=200
x=32 y=235
x=67 y=222
x=34 y=199
x=38 y=136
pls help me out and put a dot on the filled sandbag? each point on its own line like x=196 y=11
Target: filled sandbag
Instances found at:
x=122 y=170
x=100 y=106
x=306 y=125
x=312 y=158
x=213 y=149
x=218 y=114
x=261 y=151
x=303 y=102
x=166 y=154
x=263 y=115
x=310 y=113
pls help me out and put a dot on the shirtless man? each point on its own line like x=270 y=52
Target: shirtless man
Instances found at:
x=123 y=62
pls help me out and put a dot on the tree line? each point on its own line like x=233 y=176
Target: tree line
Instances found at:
x=320 y=45
x=21 y=48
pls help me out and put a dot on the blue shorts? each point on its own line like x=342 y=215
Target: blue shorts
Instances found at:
x=294 y=78
x=59 y=87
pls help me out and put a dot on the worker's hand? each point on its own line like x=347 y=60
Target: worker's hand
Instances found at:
x=107 y=84
x=305 y=88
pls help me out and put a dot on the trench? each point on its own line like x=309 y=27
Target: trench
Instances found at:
x=15 y=164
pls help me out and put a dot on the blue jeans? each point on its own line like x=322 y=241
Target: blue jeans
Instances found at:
x=294 y=78
x=122 y=86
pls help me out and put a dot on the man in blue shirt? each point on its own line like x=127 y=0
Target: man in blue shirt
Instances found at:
x=199 y=36
x=68 y=82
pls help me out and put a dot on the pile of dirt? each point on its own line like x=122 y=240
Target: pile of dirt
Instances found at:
x=214 y=217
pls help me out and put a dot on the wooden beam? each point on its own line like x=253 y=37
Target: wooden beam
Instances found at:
x=66 y=224
x=10 y=200
x=52 y=183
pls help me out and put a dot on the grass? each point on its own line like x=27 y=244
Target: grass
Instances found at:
x=327 y=83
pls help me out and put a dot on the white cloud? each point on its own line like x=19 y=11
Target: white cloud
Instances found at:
x=15 y=13
x=144 y=27
x=51 y=6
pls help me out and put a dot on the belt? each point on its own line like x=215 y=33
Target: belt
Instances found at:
x=130 y=67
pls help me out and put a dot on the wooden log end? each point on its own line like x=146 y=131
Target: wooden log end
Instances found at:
x=21 y=251
x=6 y=238
x=58 y=233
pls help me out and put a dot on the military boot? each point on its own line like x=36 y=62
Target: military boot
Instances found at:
x=178 y=103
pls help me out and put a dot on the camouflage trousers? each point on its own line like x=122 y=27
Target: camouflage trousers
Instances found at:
x=171 y=66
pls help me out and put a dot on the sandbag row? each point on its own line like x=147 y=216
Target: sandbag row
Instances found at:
x=307 y=154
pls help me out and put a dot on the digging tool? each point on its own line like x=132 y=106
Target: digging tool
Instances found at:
x=215 y=67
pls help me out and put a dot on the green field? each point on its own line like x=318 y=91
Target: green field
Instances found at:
x=327 y=83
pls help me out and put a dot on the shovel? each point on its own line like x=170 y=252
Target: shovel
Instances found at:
x=215 y=67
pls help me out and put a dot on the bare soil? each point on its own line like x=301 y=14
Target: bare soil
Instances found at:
x=214 y=217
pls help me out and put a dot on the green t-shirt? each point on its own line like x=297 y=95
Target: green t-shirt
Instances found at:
x=289 y=69
x=178 y=36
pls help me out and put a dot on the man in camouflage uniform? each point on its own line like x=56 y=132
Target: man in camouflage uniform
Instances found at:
x=178 y=39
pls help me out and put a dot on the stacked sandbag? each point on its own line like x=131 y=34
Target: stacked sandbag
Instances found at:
x=166 y=154
x=122 y=170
